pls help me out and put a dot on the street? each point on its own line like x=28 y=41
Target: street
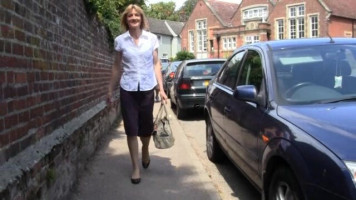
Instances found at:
x=227 y=179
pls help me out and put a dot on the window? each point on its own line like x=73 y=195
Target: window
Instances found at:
x=314 y=26
x=280 y=29
x=201 y=35
x=252 y=39
x=251 y=71
x=296 y=21
x=229 y=43
x=191 y=41
x=257 y=12
x=228 y=75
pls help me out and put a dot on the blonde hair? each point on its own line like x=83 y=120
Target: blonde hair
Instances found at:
x=129 y=8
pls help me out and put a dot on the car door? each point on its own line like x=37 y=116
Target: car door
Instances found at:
x=243 y=119
x=219 y=95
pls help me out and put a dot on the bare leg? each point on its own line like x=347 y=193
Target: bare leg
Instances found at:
x=145 y=152
x=133 y=148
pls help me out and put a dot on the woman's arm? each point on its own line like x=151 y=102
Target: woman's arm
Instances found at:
x=116 y=73
x=158 y=72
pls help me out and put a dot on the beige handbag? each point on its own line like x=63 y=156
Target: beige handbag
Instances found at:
x=162 y=134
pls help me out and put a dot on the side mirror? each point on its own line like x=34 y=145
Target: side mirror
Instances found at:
x=246 y=93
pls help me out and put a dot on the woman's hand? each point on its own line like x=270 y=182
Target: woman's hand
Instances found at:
x=164 y=97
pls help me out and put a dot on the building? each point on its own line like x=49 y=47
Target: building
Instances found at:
x=225 y=26
x=168 y=36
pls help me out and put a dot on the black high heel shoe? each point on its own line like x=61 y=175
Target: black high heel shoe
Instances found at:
x=145 y=165
x=135 y=180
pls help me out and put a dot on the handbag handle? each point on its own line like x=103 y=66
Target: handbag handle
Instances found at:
x=160 y=114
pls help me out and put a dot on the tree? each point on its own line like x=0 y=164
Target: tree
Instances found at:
x=184 y=55
x=186 y=10
x=162 y=10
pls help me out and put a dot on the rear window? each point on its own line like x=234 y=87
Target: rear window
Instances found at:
x=202 y=69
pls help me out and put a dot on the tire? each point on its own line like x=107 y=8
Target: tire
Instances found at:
x=180 y=112
x=213 y=150
x=284 y=186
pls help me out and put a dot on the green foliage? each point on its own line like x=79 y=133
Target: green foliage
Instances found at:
x=163 y=11
x=186 y=10
x=184 y=55
x=167 y=11
x=108 y=13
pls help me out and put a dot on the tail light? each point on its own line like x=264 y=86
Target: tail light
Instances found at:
x=184 y=85
x=171 y=75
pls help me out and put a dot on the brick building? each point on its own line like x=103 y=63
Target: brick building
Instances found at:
x=215 y=28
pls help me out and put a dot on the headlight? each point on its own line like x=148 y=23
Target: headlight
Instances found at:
x=352 y=168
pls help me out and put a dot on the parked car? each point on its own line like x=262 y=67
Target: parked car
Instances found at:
x=169 y=75
x=283 y=112
x=164 y=68
x=190 y=82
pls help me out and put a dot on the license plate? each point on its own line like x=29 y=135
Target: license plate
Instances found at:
x=206 y=83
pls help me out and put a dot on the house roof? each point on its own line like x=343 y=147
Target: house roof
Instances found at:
x=224 y=11
x=176 y=26
x=343 y=8
x=165 y=27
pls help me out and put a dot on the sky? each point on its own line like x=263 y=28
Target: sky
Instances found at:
x=179 y=3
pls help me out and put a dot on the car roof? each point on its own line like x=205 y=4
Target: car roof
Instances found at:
x=296 y=43
x=204 y=60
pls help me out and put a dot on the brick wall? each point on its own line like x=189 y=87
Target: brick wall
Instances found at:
x=55 y=63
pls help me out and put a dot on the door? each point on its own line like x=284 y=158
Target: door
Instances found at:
x=219 y=94
x=243 y=119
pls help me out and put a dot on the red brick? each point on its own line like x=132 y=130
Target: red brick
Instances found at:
x=20 y=77
x=28 y=51
x=2 y=77
x=19 y=133
x=1 y=125
x=4 y=139
x=17 y=22
x=17 y=49
x=7 y=4
x=22 y=91
x=24 y=116
x=36 y=112
x=3 y=108
x=9 y=92
x=20 y=36
x=11 y=121
x=20 y=104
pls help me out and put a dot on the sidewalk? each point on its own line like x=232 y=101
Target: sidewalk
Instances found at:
x=174 y=173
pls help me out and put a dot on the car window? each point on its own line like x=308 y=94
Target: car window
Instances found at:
x=251 y=72
x=202 y=69
x=228 y=75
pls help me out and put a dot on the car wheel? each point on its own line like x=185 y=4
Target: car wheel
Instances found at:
x=180 y=112
x=214 y=152
x=284 y=186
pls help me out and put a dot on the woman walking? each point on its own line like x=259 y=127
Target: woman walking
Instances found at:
x=138 y=70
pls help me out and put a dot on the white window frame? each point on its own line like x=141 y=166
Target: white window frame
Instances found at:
x=201 y=28
x=191 y=41
x=249 y=39
x=280 y=26
x=314 y=26
x=229 y=43
x=296 y=15
x=255 y=12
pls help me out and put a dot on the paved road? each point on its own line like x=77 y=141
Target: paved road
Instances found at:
x=229 y=181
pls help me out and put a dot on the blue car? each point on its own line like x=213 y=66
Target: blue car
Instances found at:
x=284 y=113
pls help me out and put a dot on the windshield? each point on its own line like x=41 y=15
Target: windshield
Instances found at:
x=202 y=69
x=316 y=74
